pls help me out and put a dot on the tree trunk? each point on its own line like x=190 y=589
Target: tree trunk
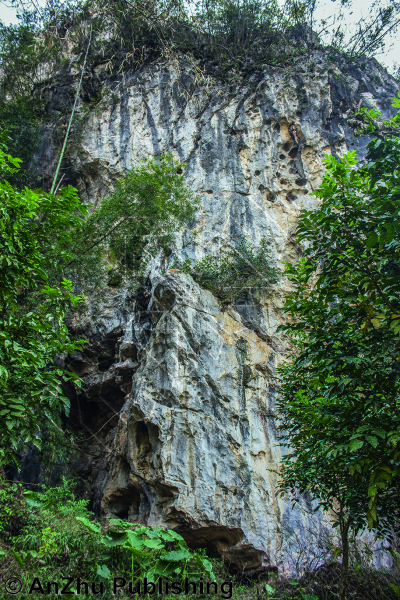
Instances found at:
x=344 y=533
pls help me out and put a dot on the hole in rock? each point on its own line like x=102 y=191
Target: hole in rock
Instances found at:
x=105 y=363
x=142 y=439
x=301 y=182
x=106 y=355
x=257 y=172
x=80 y=366
x=128 y=350
x=293 y=152
x=290 y=197
x=287 y=146
x=129 y=502
x=216 y=540
x=98 y=413
x=282 y=156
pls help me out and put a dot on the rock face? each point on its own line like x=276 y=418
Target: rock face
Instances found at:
x=178 y=395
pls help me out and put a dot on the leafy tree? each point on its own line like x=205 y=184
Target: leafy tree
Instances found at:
x=32 y=312
x=133 y=225
x=340 y=405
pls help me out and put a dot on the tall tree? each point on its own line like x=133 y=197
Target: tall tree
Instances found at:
x=340 y=403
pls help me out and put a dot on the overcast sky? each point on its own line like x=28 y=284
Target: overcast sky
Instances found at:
x=357 y=9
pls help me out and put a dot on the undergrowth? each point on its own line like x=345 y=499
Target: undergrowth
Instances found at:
x=52 y=535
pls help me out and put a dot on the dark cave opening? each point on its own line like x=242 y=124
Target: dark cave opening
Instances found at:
x=95 y=413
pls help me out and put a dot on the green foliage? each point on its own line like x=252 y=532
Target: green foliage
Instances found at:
x=60 y=499
x=21 y=54
x=339 y=402
x=43 y=539
x=235 y=272
x=31 y=333
x=45 y=237
x=58 y=537
x=133 y=225
x=246 y=35
x=20 y=120
x=22 y=51
x=153 y=551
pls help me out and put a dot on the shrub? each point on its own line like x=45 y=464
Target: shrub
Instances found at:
x=235 y=272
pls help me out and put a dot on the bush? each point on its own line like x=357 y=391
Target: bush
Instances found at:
x=235 y=272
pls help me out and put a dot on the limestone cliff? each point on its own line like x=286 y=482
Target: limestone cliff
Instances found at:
x=178 y=392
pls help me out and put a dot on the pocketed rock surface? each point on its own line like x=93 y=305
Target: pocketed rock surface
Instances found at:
x=179 y=390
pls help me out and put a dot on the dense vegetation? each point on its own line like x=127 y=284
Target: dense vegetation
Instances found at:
x=339 y=402
x=52 y=535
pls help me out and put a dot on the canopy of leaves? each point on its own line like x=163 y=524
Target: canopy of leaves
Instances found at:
x=340 y=404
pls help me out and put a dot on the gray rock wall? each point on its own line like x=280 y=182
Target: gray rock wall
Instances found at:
x=181 y=390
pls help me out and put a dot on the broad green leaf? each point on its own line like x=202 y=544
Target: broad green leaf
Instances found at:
x=165 y=567
x=356 y=445
x=155 y=544
x=169 y=535
x=176 y=555
x=103 y=571
x=269 y=589
x=134 y=540
x=372 y=440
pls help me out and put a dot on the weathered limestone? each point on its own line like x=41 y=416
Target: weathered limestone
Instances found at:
x=182 y=390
